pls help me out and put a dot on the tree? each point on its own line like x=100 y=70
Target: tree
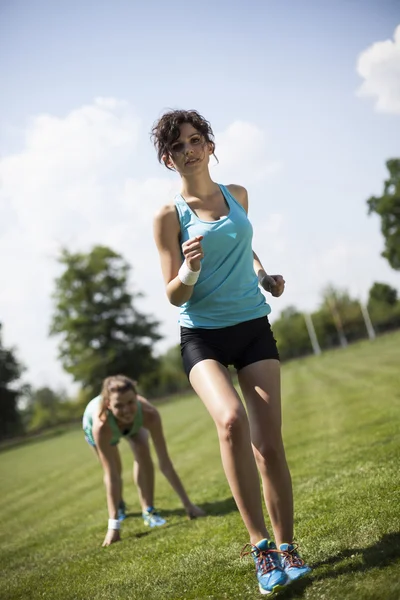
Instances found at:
x=387 y=207
x=384 y=307
x=339 y=318
x=291 y=334
x=168 y=378
x=10 y=391
x=102 y=333
x=44 y=408
x=382 y=293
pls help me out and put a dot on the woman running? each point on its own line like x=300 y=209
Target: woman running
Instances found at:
x=120 y=412
x=211 y=272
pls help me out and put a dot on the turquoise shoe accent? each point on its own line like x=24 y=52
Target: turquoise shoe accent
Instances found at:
x=152 y=518
x=270 y=575
x=292 y=564
x=121 y=511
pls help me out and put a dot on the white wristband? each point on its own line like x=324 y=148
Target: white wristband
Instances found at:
x=187 y=276
x=114 y=524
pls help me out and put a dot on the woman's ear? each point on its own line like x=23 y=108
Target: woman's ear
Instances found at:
x=167 y=161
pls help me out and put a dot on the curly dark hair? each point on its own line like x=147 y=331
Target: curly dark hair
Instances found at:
x=166 y=131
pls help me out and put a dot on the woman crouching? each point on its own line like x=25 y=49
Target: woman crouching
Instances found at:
x=119 y=412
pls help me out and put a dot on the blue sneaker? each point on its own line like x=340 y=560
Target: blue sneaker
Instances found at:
x=270 y=575
x=292 y=564
x=121 y=511
x=151 y=518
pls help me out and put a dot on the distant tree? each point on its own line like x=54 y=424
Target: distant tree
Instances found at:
x=168 y=378
x=44 y=407
x=10 y=391
x=387 y=207
x=339 y=318
x=291 y=334
x=382 y=293
x=384 y=307
x=101 y=331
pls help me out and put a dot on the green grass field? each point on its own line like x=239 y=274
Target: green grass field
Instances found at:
x=342 y=433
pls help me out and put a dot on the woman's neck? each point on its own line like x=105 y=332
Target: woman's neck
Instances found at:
x=200 y=185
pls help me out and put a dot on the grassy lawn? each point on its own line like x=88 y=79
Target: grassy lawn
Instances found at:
x=342 y=433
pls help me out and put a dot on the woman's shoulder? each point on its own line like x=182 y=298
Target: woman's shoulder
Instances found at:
x=149 y=411
x=99 y=417
x=166 y=216
x=239 y=193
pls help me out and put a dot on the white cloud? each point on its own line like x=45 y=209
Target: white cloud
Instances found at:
x=243 y=148
x=73 y=184
x=379 y=66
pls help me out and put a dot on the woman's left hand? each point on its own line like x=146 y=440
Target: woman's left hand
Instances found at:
x=194 y=511
x=275 y=284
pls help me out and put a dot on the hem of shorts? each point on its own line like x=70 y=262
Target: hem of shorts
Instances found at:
x=202 y=360
x=252 y=362
x=93 y=445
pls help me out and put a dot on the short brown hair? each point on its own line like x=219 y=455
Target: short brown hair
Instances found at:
x=166 y=130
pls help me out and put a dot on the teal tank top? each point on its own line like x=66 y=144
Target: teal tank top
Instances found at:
x=93 y=408
x=227 y=291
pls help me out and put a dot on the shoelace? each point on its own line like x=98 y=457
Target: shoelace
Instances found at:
x=292 y=557
x=265 y=558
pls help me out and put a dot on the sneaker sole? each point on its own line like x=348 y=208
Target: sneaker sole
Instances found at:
x=290 y=580
x=276 y=589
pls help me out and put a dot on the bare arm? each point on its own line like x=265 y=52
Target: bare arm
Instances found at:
x=166 y=234
x=154 y=425
x=111 y=463
x=109 y=458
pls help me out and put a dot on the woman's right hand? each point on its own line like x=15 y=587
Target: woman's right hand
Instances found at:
x=193 y=253
x=112 y=536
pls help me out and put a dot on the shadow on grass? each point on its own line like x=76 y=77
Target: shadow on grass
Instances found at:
x=150 y=530
x=381 y=554
x=212 y=509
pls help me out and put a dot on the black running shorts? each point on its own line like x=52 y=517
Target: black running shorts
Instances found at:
x=239 y=345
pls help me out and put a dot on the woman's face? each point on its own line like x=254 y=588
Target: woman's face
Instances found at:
x=123 y=405
x=190 y=153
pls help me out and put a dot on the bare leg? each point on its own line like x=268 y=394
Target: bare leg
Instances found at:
x=260 y=384
x=143 y=468
x=212 y=383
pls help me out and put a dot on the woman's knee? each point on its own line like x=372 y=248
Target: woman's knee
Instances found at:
x=269 y=451
x=232 y=424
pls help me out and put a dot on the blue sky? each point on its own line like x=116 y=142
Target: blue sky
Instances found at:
x=280 y=83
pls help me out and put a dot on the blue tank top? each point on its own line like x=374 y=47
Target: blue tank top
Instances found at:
x=227 y=291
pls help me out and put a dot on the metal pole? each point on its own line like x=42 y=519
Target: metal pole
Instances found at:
x=311 y=332
x=367 y=320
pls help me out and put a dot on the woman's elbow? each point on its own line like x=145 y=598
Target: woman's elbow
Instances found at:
x=174 y=297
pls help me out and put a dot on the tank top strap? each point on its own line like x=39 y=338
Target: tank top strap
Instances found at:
x=116 y=432
x=183 y=210
x=233 y=203
x=138 y=421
